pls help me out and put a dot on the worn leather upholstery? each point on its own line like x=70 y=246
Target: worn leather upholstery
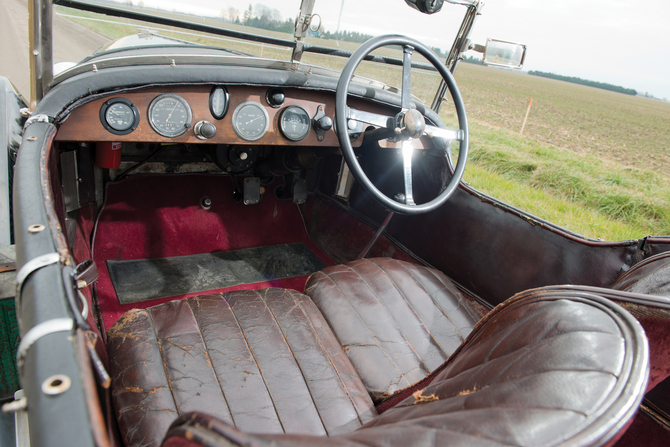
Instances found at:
x=396 y=321
x=264 y=361
x=544 y=368
x=651 y=276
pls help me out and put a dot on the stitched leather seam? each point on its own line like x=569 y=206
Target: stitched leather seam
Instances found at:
x=246 y=340
x=209 y=360
x=395 y=285
x=434 y=301
x=365 y=325
x=470 y=312
x=160 y=351
x=402 y=333
x=295 y=359
x=330 y=360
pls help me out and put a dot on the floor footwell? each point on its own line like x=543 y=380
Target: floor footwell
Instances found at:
x=158 y=216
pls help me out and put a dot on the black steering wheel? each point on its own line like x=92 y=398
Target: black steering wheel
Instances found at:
x=408 y=124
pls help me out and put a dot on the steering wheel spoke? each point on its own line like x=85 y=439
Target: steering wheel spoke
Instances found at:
x=447 y=134
x=406 y=95
x=407 y=152
x=369 y=118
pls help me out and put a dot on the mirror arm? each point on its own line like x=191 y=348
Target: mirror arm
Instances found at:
x=457 y=49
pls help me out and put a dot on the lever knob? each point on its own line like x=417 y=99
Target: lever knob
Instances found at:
x=324 y=123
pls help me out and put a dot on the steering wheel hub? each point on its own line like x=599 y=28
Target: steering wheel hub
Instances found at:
x=412 y=123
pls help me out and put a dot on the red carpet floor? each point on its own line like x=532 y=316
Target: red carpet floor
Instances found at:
x=154 y=216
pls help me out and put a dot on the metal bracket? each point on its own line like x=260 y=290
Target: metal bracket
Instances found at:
x=32 y=266
x=252 y=190
x=302 y=23
x=39 y=331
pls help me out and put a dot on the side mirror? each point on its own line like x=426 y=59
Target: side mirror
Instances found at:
x=426 y=6
x=504 y=54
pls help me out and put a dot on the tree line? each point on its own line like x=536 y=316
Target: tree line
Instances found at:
x=575 y=80
x=262 y=16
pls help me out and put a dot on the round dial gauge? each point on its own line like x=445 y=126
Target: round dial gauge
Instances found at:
x=294 y=123
x=250 y=121
x=170 y=115
x=119 y=116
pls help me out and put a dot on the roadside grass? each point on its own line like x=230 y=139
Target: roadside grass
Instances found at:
x=592 y=161
x=635 y=202
x=557 y=210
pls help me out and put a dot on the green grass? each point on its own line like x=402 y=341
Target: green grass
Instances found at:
x=557 y=210
x=590 y=160
x=631 y=202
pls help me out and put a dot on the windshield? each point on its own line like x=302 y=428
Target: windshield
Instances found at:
x=340 y=25
x=574 y=153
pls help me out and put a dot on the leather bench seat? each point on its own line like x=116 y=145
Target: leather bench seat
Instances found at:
x=545 y=368
x=264 y=361
x=396 y=321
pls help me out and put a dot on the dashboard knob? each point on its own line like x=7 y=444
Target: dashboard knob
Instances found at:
x=204 y=130
x=275 y=97
x=324 y=123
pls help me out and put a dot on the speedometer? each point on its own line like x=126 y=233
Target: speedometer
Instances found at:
x=170 y=115
x=294 y=123
x=250 y=121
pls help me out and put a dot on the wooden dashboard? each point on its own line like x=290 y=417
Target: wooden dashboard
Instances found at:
x=85 y=123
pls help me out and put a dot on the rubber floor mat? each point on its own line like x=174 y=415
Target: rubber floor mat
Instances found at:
x=147 y=279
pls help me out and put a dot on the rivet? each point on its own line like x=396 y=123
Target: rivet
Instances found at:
x=36 y=228
x=55 y=385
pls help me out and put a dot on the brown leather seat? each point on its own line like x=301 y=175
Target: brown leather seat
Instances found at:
x=264 y=361
x=650 y=276
x=544 y=368
x=396 y=321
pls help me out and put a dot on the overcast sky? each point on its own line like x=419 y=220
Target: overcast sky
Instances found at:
x=622 y=42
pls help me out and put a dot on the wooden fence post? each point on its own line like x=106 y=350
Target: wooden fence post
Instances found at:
x=530 y=103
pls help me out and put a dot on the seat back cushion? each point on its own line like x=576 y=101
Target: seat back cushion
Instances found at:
x=396 y=321
x=264 y=361
x=542 y=369
x=651 y=276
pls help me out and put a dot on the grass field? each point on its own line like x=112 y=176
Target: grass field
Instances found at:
x=593 y=161
x=603 y=151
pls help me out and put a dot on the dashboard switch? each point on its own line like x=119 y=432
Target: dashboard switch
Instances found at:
x=321 y=123
x=204 y=130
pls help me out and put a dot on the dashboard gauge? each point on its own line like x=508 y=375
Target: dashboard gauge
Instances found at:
x=218 y=101
x=250 y=120
x=119 y=116
x=170 y=115
x=294 y=123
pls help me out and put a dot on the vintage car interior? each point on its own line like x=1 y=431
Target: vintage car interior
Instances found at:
x=270 y=253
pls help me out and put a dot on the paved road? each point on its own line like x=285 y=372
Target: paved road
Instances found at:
x=72 y=42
